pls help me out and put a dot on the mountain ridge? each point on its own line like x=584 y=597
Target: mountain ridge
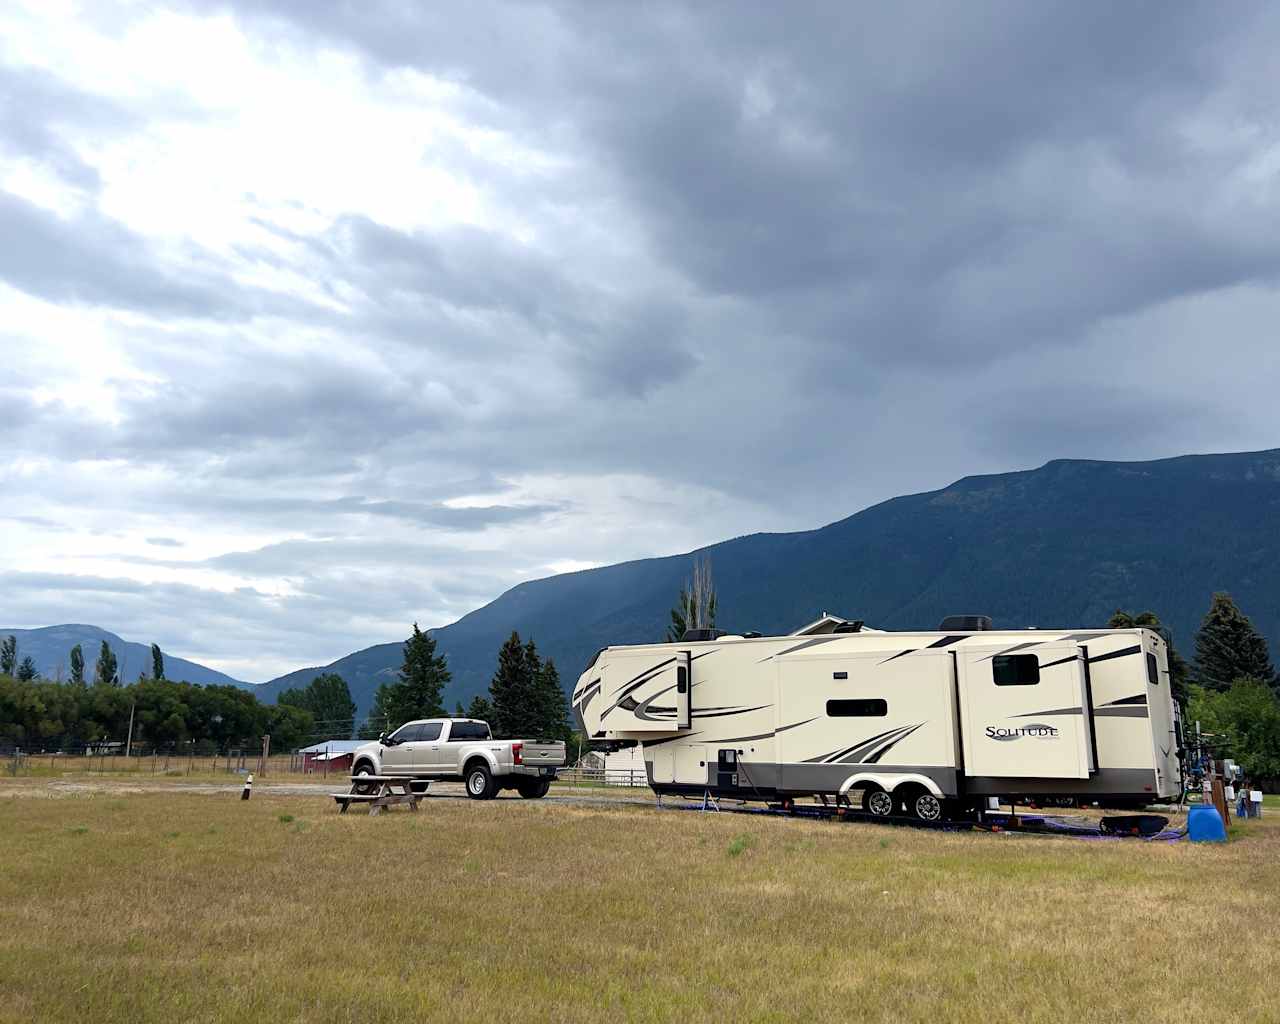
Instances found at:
x=50 y=648
x=1061 y=544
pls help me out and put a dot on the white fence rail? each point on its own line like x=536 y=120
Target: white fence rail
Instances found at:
x=604 y=776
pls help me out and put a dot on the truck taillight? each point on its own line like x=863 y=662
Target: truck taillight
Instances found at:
x=516 y=756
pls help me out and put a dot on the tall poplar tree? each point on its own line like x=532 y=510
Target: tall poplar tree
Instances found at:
x=1229 y=648
x=8 y=655
x=157 y=662
x=106 y=672
x=77 y=665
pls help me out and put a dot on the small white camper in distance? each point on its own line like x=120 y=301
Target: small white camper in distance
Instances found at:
x=926 y=723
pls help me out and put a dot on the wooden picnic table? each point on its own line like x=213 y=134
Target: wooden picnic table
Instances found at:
x=380 y=792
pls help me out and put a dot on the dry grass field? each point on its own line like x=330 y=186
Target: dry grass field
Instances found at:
x=194 y=906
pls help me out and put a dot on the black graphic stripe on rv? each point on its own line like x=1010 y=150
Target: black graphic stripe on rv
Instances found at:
x=638 y=681
x=875 y=758
x=872 y=750
x=1055 y=711
x=726 y=712
x=593 y=685
x=647 y=744
x=1122 y=653
x=800 y=647
x=836 y=755
x=1137 y=698
x=1015 y=647
x=945 y=641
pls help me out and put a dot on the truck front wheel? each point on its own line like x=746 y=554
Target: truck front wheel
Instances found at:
x=479 y=782
x=533 y=790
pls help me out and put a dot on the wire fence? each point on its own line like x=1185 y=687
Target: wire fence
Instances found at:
x=174 y=760
x=185 y=760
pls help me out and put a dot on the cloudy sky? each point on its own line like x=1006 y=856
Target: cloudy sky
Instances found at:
x=320 y=318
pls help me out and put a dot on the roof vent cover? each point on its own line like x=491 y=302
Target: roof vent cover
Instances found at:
x=965 y=623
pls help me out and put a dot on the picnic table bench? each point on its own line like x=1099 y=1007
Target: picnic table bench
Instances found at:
x=380 y=792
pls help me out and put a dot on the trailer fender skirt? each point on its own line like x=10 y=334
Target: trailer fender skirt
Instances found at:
x=889 y=781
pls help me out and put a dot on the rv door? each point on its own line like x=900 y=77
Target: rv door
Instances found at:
x=1026 y=713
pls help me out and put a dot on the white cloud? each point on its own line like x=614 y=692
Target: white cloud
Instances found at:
x=522 y=290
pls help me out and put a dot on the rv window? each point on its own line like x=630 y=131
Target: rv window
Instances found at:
x=1015 y=669
x=871 y=708
x=1153 y=670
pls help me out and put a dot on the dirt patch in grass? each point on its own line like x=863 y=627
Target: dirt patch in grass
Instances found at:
x=199 y=906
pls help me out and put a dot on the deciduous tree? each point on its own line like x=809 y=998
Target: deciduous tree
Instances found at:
x=8 y=655
x=157 y=662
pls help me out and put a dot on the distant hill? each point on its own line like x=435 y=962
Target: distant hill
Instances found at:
x=50 y=648
x=1062 y=545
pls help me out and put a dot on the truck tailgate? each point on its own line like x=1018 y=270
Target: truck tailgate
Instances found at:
x=542 y=755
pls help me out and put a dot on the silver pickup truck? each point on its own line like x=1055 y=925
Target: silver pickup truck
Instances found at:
x=462 y=750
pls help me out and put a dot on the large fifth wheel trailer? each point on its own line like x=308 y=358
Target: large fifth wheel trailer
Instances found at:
x=925 y=723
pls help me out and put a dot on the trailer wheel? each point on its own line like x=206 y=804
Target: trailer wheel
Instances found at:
x=927 y=807
x=479 y=782
x=876 y=801
x=535 y=790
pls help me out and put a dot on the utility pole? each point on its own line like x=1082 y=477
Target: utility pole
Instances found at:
x=128 y=746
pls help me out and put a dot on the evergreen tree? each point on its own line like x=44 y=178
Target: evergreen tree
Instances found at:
x=77 y=665
x=480 y=709
x=550 y=707
x=27 y=670
x=157 y=662
x=509 y=689
x=423 y=677
x=8 y=655
x=1178 y=670
x=106 y=672
x=1229 y=648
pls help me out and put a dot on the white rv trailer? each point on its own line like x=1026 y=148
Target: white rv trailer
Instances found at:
x=928 y=723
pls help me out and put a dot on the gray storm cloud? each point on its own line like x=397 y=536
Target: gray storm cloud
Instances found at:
x=734 y=268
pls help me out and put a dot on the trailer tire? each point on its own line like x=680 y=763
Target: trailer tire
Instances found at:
x=927 y=807
x=877 y=801
x=479 y=781
x=533 y=790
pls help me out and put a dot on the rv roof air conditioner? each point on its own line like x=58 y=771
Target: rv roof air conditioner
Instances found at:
x=965 y=623
x=694 y=635
x=850 y=627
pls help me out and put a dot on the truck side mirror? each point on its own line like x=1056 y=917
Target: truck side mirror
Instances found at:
x=382 y=738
